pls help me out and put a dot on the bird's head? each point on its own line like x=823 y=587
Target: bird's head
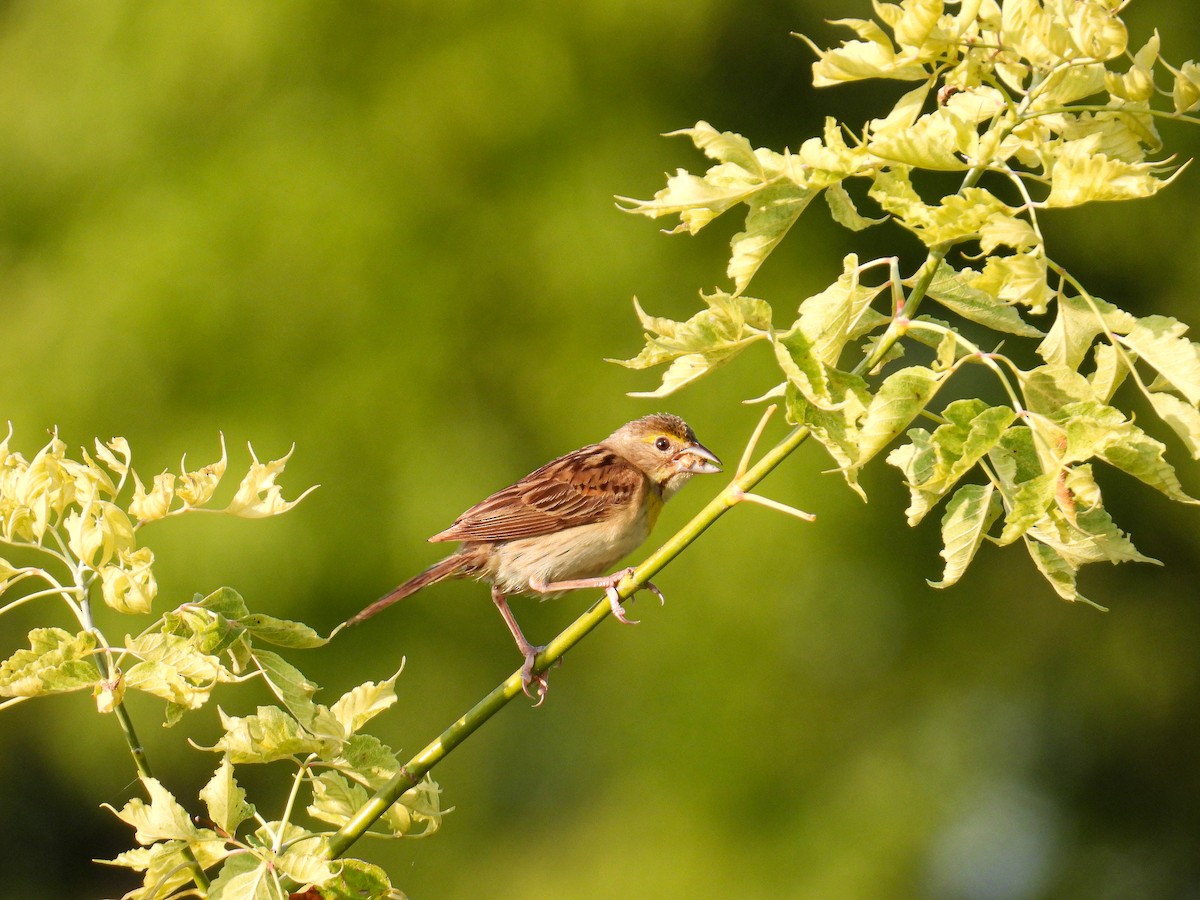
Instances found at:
x=665 y=448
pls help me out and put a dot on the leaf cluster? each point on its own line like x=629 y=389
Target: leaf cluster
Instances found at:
x=82 y=519
x=1037 y=105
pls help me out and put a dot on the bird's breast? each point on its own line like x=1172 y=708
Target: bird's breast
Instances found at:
x=585 y=551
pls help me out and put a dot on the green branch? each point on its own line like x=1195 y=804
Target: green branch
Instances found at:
x=416 y=768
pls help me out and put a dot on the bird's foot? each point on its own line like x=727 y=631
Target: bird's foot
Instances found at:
x=614 y=597
x=529 y=677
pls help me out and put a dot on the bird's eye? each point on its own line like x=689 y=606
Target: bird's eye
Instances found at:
x=663 y=444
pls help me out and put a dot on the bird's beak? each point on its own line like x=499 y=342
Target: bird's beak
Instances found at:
x=696 y=459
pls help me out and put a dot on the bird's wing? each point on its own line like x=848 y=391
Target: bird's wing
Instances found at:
x=580 y=488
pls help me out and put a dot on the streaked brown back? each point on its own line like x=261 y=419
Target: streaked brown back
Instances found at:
x=580 y=488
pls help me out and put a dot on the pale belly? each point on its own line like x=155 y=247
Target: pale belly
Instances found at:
x=583 y=552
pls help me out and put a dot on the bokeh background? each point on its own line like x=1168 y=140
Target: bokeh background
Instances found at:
x=385 y=232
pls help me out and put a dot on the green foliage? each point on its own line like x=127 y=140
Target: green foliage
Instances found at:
x=83 y=519
x=1033 y=106
x=1037 y=106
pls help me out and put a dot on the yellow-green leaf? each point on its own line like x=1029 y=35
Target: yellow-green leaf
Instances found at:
x=968 y=516
x=162 y=819
x=1182 y=416
x=899 y=399
x=196 y=488
x=1080 y=174
x=55 y=663
x=1160 y=341
x=953 y=292
x=225 y=799
x=258 y=496
x=129 y=585
x=1186 y=92
x=361 y=704
x=772 y=212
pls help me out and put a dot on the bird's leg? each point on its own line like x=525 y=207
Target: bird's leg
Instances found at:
x=528 y=650
x=608 y=582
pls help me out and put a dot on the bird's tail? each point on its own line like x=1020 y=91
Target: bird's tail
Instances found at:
x=447 y=568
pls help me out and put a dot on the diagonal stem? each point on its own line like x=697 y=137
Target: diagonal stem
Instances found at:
x=415 y=769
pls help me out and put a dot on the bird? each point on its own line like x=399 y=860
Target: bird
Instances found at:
x=562 y=526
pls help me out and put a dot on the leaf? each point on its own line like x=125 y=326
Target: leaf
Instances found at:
x=738 y=175
x=99 y=533
x=958 y=217
x=1095 y=430
x=147 y=506
x=844 y=210
x=1080 y=174
x=1186 y=92
x=1110 y=371
x=872 y=57
x=166 y=866
x=1076 y=325
x=268 y=735
x=336 y=800
x=949 y=289
x=225 y=799
x=172 y=668
x=225 y=601
x=968 y=516
x=361 y=704
x=1019 y=278
x=56 y=662
x=307 y=862
x=796 y=357
x=934 y=463
x=359 y=880
x=706 y=341
x=162 y=819
x=1047 y=389
x=1136 y=85
x=245 y=876
x=289 y=684
x=772 y=213
x=838 y=314
x=1028 y=504
x=1056 y=570
x=128 y=585
x=938 y=140
x=282 y=632
x=836 y=428
x=1015 y=458
x=899 y=399
x=416 y=814
x=367 y=759
x=1160 y=341
x=258 y=496
x=1183 y=418
x=197 y=488
x=1092 y=537
x=108 y=454
x=1007 y=231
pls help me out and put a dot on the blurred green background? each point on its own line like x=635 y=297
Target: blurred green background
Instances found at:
x=385 y=232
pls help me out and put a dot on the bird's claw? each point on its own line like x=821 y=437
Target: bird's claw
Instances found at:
x=618 y=611
x=614 y=598
x=653 y=588
x=529 y=677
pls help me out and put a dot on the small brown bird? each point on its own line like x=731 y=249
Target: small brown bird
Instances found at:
x=559 y=528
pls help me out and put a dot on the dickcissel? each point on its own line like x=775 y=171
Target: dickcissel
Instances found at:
x=559 y=528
